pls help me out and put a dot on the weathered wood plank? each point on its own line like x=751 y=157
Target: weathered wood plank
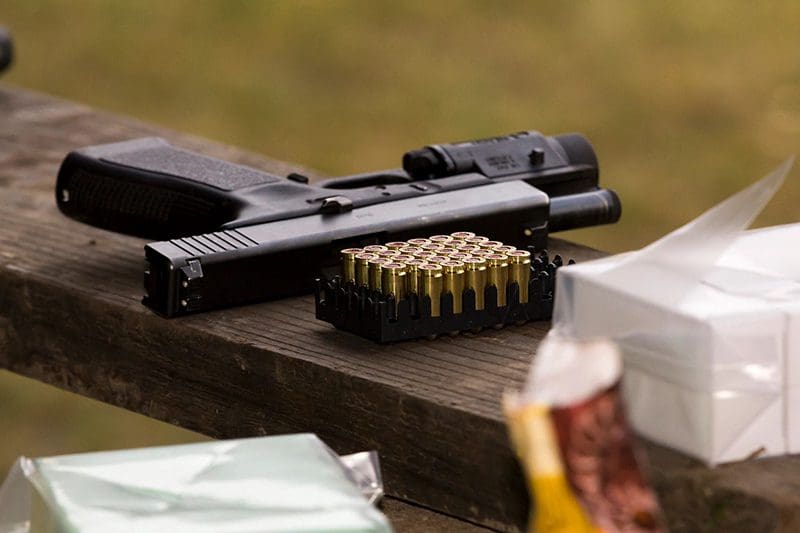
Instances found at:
x=407 y=518
x=70 y=316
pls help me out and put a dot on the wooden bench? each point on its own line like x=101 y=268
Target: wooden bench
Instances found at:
x=430 y=408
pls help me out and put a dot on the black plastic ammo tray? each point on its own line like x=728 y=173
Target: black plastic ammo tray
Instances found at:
x=371 y=315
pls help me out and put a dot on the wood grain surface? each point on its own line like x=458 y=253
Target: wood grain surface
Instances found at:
x=70 y=316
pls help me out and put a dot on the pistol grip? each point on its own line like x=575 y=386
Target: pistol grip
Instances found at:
x=149 y=188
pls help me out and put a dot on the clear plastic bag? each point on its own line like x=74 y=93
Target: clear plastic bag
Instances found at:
x=283 y=483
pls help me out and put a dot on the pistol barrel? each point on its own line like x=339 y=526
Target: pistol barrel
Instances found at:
x=572 y=211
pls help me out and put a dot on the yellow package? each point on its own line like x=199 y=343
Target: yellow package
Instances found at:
x=569 y=430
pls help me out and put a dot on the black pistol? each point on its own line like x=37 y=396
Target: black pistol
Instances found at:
x=6 y=49
x=232 y=234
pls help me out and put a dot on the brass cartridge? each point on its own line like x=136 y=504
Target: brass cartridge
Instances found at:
x=447 y=250
x=441 y=239
x=482 y=252
x=497 y=275
x=461 y=235
x=458 y=256
x=393 y=280
x=504 y=249
x=488 y=245
x=437 y=259
x=425 y=253
x=519 y=270
x=432 y=246
x=348 y=256
x=418 y=242
x=410 y=250
x=412 y=274
x=453 y=282
x=362 y=268
x=476 y=239
x=396 y=245
x=375 y=272
x=388 y=253
x=402 y=258
x=373 y=248
x=475 y=278
x=429 y=283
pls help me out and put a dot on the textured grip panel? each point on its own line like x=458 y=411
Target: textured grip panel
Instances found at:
x=137 y=208
x=165 y=159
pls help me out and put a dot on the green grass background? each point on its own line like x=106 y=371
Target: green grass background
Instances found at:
x=685 y=102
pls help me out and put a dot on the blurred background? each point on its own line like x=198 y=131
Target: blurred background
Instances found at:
x=684 y=101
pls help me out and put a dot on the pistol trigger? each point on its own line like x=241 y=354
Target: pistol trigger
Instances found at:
x=336 y=204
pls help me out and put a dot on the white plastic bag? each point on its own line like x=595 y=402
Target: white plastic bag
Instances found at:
x=283 y=483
